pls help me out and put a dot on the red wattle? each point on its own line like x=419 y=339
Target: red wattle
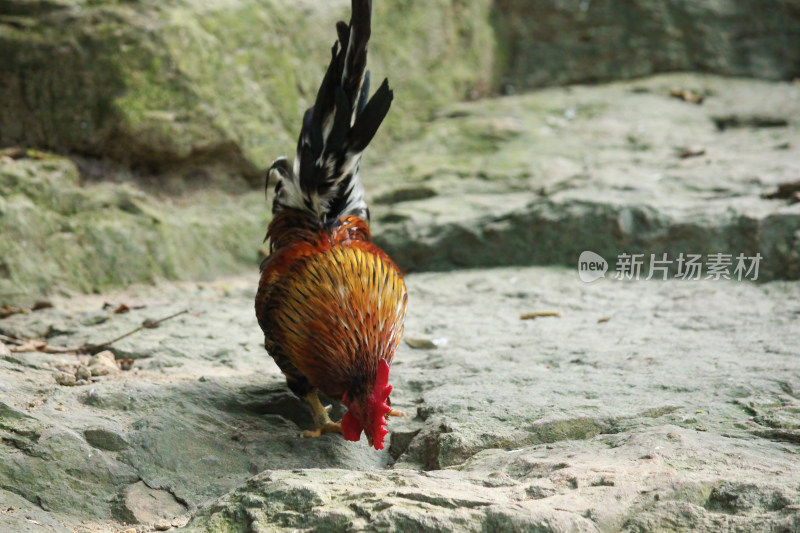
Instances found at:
x=351 y=427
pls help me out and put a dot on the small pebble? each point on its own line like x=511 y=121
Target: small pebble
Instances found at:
x=180 y=521
x=105 y=354
x=163 y=525
x=66 y=379
x=103 y=363
x=83 y=373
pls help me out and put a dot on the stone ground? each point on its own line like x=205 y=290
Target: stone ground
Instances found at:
x=644 y=406
x=538 y=178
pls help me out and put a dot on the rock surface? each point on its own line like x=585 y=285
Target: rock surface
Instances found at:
x=58 y=233
x=645 y=406
x=212 y=92
x=556 y=42
x=539 y=178
x=531 y=179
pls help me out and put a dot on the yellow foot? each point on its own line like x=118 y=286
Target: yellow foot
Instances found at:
x=395 y=412
x=330 y=427
x=318 y=411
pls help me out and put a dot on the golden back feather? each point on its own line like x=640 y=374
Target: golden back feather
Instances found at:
x=341 y=311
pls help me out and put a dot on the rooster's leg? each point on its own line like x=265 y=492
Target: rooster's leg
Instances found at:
x=321 y=418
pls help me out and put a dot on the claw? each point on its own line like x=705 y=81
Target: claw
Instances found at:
x=321 y=419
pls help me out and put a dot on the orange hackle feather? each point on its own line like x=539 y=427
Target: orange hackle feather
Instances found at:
x=333 y=304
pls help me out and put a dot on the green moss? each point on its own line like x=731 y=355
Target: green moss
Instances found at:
x=56 y=234
x=442 y=51
x=161 y=85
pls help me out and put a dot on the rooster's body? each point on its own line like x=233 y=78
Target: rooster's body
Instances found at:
x=330 y=302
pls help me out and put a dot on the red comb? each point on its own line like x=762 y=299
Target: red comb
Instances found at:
x=377 y=408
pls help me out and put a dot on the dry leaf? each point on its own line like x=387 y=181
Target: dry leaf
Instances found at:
x=122 y=307
x=41 y=304
x=16 y=152
x=420 y=344
x=687 y=95
x=691 y=151
x=6 y=311
x=787 y=190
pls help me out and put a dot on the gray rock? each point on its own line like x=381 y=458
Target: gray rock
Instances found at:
x=156 y=87
x=546 y=43
x=47 y=216
x=106 y=439
x=162 y=525
x=167 y=98
x=503 y=491
x=60 y=472
x=142 y=505
x=83 y=373
x=594 y=168
x=23 y=516
x=66 y=379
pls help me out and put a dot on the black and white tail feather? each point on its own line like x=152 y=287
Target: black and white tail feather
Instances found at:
x=324 y=179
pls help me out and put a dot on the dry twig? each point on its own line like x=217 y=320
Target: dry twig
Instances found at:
x=539 y=314
x=31 y=345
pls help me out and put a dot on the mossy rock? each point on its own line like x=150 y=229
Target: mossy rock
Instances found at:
x=57 y=234
x=178 y=87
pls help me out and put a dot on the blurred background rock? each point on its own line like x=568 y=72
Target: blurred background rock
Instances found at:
x=135 y=134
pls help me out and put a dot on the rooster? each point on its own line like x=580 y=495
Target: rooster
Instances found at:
x=330 y=302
